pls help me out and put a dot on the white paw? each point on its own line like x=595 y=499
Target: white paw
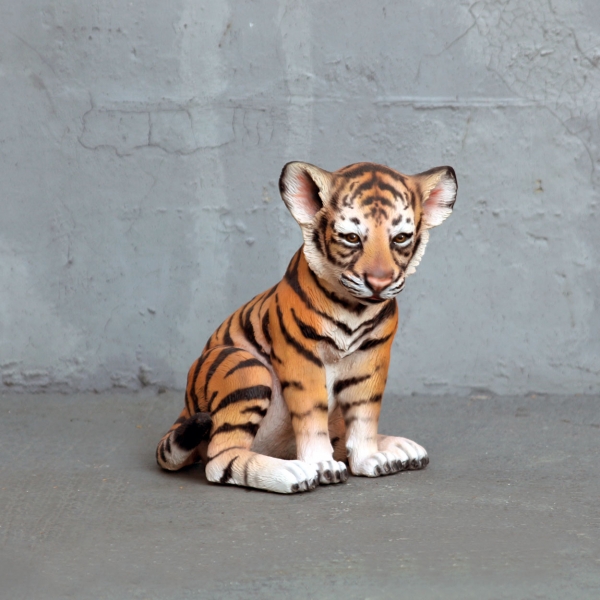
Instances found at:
x=331 y=471
x=380 y=463
x=295 y=476
x=412 y=454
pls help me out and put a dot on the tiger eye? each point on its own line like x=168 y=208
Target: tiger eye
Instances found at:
x=352 y=238
x=402 y=237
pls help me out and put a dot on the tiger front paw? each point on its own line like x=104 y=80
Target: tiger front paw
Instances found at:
x=414 y=455
x=394 y=454
x=297 y=476
x=331 y=471
x=380 y=463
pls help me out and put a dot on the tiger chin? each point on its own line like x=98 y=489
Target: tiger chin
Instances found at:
x=287 y=392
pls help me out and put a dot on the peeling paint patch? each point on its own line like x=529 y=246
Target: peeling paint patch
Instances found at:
x=176 y=131
x=123 y=131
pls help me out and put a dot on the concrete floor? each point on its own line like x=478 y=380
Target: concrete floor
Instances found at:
x=508 y=508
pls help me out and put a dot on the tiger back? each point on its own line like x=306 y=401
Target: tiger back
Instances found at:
x=287 y=392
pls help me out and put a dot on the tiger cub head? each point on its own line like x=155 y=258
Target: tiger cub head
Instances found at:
x=365 y=227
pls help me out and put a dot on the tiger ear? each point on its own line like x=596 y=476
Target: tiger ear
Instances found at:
x=438 y=190
x=305 y=190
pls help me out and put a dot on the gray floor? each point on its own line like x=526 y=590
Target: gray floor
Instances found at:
x=508 y=508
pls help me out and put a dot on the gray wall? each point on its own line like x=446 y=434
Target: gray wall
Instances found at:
x=141 y=143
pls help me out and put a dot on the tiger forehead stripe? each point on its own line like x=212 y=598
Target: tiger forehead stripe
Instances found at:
x=376 y=183
x=374 y=193
x=377 y=199
x=377 y=195
x=357 y=170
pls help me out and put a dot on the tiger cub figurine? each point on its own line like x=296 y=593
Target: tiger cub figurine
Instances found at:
x=288 y=389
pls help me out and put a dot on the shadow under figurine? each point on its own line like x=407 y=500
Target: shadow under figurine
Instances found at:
x=287 y=392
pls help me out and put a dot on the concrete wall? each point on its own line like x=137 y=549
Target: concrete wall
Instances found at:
x=141 y=143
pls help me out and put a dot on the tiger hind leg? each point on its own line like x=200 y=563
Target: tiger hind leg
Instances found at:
x=239 y=389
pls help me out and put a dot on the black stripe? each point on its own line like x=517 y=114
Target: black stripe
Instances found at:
x=378 y=213
x=223 y=354
x=216 y=333
x=209 y=458
x=345 y=254
x=346 y=406
x=317 y=241
x=388 y=311
x=294 y=343
x=248 y=329
x=322 y=226
x=209 y=342
x=310 y=333
x=404 y=198
x=295 y=262
x=362 y=168
x=255 y=409
x=255 y=392
x=333 y=200
x=193 y=394
x=321 y=407
x=249 y=427
x=377 y=199
x=212 y=399
x=250 y=362
x=368 y=344
x=295 y=384
x=397 y=261
x=342 y=384
x=275 y=357
x=265 y=328
x=227 y=340
x=353 y=262
x=365 y=186
x=291 y=277
x=228 y=471
x=331 y=257
x=267 y=295
x=389 y=188
x=352 y=307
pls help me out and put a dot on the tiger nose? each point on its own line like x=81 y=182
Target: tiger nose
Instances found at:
x=379 y=281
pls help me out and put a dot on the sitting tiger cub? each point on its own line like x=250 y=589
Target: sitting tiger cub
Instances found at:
x=289 y=388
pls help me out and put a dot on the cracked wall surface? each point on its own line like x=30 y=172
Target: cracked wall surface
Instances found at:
x=141 y=144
